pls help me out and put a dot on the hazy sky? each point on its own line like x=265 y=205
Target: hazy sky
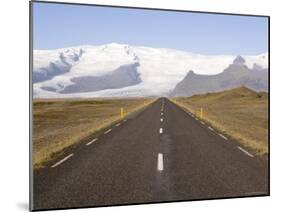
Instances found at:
x=59 y=25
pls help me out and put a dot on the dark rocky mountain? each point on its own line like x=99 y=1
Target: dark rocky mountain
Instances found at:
x=235 y=75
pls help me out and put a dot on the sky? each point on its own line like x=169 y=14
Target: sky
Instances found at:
x=61 y=25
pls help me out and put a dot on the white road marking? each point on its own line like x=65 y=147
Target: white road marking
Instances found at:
x=125 y=120
x=202 y=122
x=246 y=152
x=221 y=135
x=161 y=120
x=61 y=161
x=161 y=130
x=160 y=164
x=196 y=119
x=117 y=124
x=92 y=141
x=107 y=131
x=161 y=114
x=210 y=128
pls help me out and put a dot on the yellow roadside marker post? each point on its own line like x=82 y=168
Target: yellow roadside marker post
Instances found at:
x=122 y=113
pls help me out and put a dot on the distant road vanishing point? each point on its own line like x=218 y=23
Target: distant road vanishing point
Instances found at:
x=162 y=154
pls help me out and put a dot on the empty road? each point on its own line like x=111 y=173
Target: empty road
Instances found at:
x=162 y=154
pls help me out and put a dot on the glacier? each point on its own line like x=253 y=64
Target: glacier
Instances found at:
x=60 y=73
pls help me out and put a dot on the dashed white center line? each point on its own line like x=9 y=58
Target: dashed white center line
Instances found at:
x=221 y=135
x=61 y=161
x=245 y=151
x=107 y=131
x=202 y=122
x=117 y=125
x=160 y=164
x=196 y=119
x=161 y=114
x=92 y=141
x=210 y=128
x=161 y=120
x=161 y=130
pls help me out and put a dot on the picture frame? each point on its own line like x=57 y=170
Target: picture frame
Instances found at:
x=196 y=113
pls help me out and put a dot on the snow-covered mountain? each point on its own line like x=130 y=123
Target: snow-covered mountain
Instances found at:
x=115 y=70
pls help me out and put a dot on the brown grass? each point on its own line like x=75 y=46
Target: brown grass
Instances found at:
x=58 y=124
x=240 y=113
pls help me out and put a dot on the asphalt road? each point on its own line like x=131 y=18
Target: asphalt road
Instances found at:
x=162 y=154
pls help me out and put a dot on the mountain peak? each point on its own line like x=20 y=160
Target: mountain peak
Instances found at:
x=239 y=60
x=191 y=72
x=117 y=45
